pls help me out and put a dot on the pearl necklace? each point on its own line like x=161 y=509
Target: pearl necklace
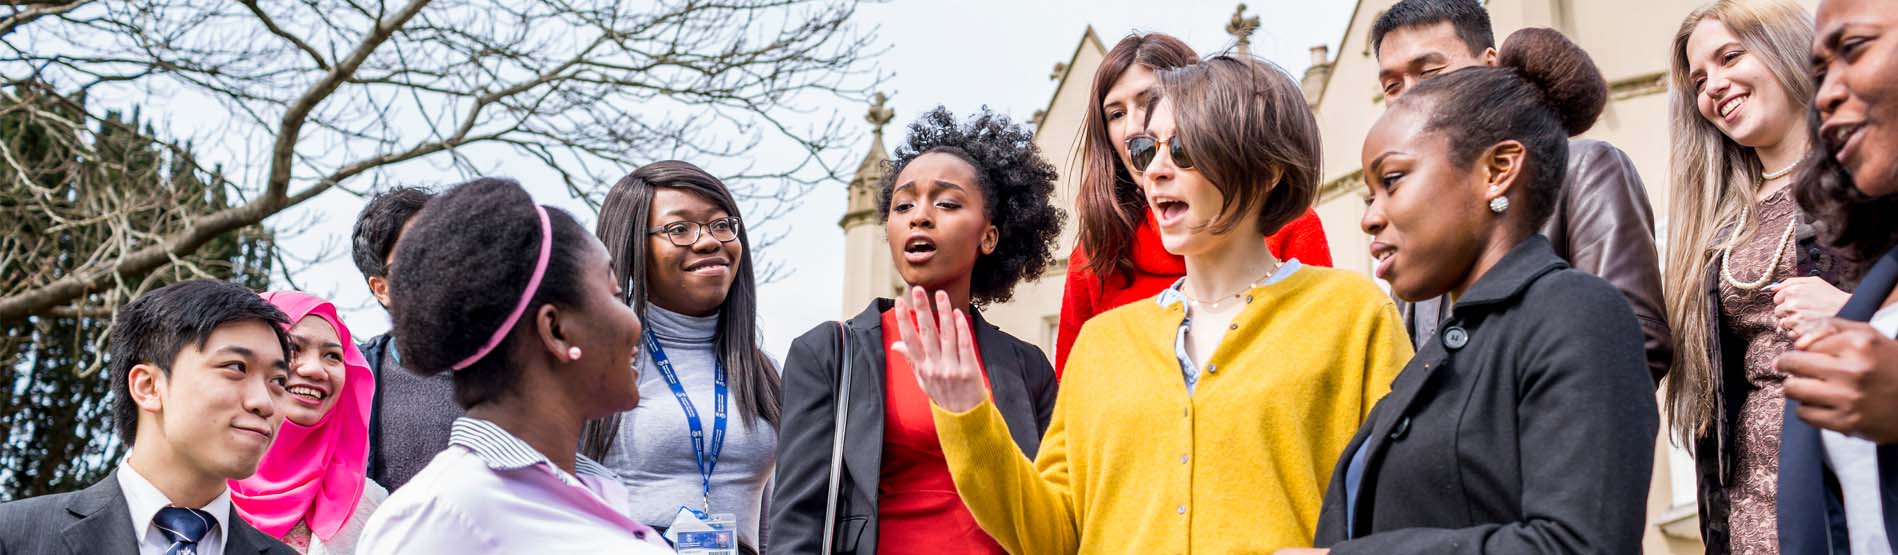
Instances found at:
x=1726 y=262
x=1776 y=174
x=1214 y=305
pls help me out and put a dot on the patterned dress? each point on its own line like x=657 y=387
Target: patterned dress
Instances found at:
x=1748 y=316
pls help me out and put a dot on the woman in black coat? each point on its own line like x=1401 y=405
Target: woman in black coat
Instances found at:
x=1527 y=424
x=967 y=215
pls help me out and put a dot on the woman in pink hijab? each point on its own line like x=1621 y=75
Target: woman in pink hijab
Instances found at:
x=310 y=490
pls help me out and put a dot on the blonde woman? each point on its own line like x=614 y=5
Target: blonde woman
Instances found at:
x=1743 y=266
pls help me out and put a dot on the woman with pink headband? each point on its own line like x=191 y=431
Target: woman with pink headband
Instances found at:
x=310 y=489
x=520 y=304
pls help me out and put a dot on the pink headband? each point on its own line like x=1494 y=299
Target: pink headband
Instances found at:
x=533 y=284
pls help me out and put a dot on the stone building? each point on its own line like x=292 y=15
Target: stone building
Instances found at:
x=1628 y=40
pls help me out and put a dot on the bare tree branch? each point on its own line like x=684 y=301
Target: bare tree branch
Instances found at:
x=350 y=93
x=26 y=12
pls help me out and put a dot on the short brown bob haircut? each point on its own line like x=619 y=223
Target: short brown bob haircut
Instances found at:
x=1244 y=123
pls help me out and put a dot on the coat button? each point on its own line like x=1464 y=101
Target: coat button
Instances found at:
x=1182 y=459
x=1232 y=327
x=1212 y=368
x=1248 y=299
x=1402 y=428
x=1182 y=509
x=1455 y=338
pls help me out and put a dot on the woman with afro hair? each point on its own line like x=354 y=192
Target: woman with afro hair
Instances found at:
x=966 y=210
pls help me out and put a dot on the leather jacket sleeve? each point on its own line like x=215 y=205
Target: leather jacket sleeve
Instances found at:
x=1604 y=225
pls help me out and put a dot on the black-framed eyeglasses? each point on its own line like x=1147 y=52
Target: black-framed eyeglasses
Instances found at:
x=1142 y=149
x=685 y=234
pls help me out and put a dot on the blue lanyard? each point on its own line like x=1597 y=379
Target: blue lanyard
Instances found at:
x=706 y=462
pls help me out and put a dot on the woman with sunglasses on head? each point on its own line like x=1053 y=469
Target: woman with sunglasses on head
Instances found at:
x=1527 y=425
x=683 y=259
x=1746 y=265
x=1838 y=459
x=1119 y=257
x=1220 y=402
x=967 y=213
x=520 y=303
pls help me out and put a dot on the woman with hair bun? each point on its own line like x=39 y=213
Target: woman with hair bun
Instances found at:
x=1528 y=425
x=521 y=304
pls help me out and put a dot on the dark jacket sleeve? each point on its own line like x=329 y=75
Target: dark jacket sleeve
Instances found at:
x=1607 y=230
x=1042 y=387
x=1586 y=428
x=804 y=442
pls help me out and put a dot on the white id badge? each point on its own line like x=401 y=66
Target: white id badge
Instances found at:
x=692 y=535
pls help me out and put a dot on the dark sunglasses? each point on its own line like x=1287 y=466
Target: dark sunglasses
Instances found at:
x=1141 y=149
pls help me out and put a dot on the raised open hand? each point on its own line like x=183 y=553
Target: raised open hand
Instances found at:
x=939 y=348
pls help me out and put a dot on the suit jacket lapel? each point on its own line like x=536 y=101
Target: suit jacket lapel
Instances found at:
x=244 y=539
x=102 y=521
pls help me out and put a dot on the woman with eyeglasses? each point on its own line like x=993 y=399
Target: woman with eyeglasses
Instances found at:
x=1203 y=419
x=967 y=210
x=683 y=259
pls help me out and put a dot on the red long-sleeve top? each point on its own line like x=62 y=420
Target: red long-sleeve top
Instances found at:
x=1156 y=269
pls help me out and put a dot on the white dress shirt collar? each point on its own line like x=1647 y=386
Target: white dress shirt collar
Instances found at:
x=144 y=500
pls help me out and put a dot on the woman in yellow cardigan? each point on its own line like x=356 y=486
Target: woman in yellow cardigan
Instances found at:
x=1207 y=418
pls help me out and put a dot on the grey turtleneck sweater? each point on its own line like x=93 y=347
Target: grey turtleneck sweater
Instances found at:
x=653 y=453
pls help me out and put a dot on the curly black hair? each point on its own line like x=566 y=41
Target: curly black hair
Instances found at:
x=1017 y=187
x=464 y=265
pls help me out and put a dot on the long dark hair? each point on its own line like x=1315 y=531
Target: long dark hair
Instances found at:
x=1861 y=225
x=624 y=218
x=1110 y=203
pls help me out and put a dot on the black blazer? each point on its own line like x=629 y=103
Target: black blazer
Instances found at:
x=96 y=520
x=1811 y=506
x=1526 y=425
x=1020 y=378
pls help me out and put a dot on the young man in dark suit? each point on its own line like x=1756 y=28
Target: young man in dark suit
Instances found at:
x=197 y=370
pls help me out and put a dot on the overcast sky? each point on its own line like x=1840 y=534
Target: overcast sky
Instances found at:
x=959 y=54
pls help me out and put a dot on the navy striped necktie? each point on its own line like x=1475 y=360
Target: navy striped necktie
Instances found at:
x=184 y=527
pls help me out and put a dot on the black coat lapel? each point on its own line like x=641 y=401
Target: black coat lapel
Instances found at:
x=1007 y=384
x=863 y=439
x=1391 y=413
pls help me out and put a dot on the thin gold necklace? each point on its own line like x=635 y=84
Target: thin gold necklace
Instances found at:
x=1214 y=305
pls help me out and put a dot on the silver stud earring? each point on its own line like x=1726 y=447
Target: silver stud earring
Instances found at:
x=1499 y=204
x=573 y=353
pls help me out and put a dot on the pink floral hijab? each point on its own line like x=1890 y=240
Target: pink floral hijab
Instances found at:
x=313 y=474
